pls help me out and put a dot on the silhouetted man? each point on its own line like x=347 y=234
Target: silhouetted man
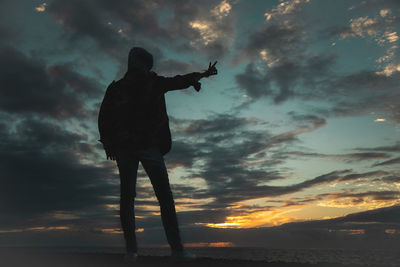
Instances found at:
x=133 y=126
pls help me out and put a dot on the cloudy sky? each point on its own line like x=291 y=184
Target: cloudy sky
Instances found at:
x=300 y=127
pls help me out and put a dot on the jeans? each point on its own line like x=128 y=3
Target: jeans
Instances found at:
x=153 y=163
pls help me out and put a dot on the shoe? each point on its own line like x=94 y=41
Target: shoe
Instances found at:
x=183 y=255
x=130 y=257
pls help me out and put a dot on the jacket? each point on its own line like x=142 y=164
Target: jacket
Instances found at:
x=133 y=112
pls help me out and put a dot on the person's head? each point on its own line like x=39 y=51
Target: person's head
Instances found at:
x=140 y=59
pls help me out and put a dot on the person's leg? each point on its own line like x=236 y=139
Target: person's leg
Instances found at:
x=154 y=165
x=128 y=166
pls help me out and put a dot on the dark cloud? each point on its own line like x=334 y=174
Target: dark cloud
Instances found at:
x=389 y=162
x=351 y=177
x=348 y=158
x=307 y=121
x=370 y=227
x=391 y=179
x=42 y=174
x=365 y=91
x=114 y=28
x=30 y=87
x=145 y=23
x=362 y=156
x=394 y=149
x=335 y=176
x=239 y=169
x=83 y=19
x=284 y=66
x=356 y=198
x=82 y=85
x=7 y=34
x=354 y=94
x=253 y=82
x=348 y=199
x=378 y=4
x=216 y=124
x=139 y=16
x=182 y=154
x=374 y=88
x=219 y=29
x=287 y=78
x=222 y=146
x=11 y=32
x=387 y=215
x=280 y=36
x=390 y=148
x=44 y=180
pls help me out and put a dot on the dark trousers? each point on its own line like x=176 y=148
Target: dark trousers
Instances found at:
x=153 y=163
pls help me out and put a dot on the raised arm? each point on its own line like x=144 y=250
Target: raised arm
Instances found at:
x=179 y=82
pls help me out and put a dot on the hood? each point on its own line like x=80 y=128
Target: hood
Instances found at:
x=140 y=59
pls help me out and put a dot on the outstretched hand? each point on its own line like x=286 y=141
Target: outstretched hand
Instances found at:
x=212 y=70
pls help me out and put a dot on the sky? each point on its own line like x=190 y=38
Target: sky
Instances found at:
x=294 y=143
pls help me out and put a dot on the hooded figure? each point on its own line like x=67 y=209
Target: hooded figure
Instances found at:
x=133 y=112
x=134 y=127
x=140 y=59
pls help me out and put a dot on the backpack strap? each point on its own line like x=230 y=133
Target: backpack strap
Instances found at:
x=105 y=116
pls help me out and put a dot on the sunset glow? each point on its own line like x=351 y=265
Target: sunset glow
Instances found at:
x=254 y=219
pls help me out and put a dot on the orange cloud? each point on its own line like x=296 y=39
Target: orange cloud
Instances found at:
x=364 y=203
x=117 y=230
x=254 y=219
x=349 y=231
x=41 y=8
x=212 y=244
x=392 y=231
x=47 y=228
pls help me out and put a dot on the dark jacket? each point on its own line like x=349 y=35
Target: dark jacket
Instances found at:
x=133 y=112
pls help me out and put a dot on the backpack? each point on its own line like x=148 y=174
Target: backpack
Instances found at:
x=107 y=112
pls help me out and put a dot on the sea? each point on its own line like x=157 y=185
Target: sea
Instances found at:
x=372 y=257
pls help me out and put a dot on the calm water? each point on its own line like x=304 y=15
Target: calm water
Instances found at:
x=363 y=257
